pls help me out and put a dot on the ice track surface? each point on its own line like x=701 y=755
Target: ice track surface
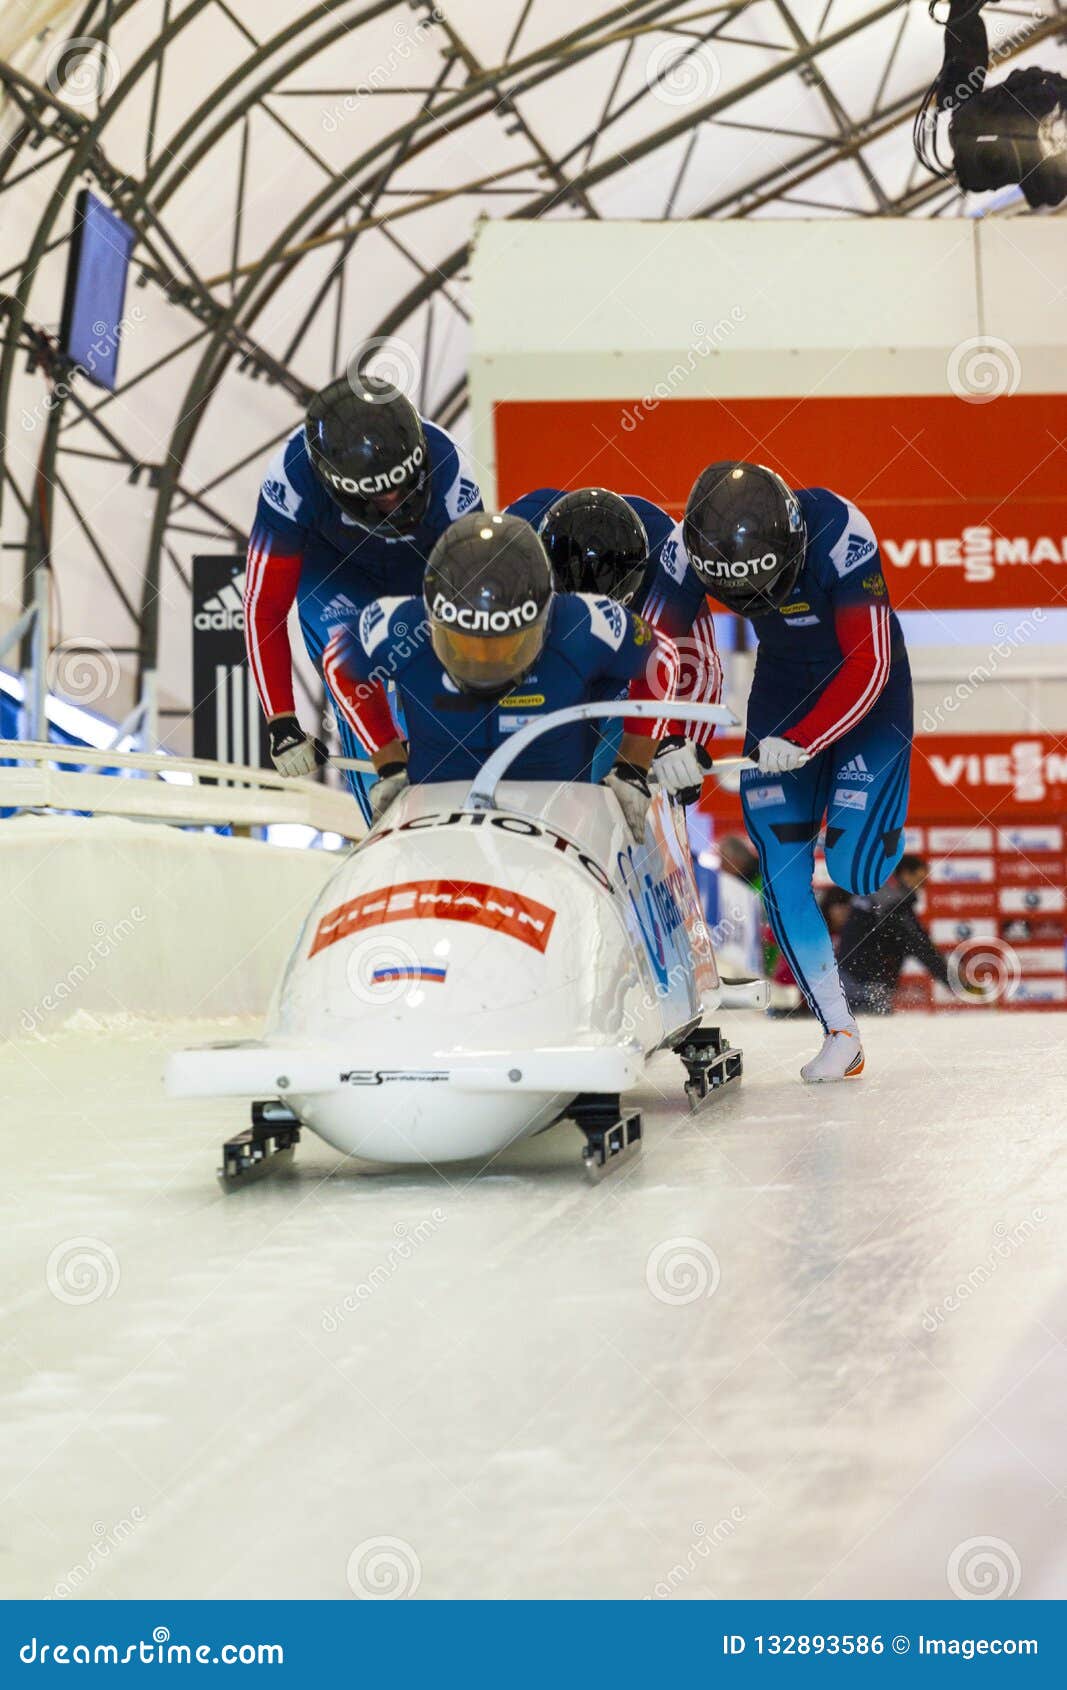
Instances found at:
x=809 y=1344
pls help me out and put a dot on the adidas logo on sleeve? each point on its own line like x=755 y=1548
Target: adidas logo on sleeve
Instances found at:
x=859 y=550
x=856 y=544
x=340 y=609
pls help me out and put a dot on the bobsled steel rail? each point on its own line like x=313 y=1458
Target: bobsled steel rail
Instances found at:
x=482 y=793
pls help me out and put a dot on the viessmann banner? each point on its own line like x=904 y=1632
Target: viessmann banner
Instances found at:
x=969 y=499
x=989 y=813
x=1004 y=779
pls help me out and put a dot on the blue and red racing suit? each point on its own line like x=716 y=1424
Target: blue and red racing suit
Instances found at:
x=304 y=548
x=594 y=650
x=670 y=599
x=832 y=676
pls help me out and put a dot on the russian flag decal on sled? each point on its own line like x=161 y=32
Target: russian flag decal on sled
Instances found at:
x=409 y=971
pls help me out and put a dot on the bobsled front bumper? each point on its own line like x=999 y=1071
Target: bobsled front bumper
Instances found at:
x=250 y=1069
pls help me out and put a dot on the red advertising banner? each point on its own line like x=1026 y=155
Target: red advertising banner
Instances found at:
x=969 y=500
x=504 y=912
x=1004 y=778
x=1014 y=781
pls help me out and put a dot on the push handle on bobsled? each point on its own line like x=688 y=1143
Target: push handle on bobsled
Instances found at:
x=717 y=713
x=482 y=793
x=722 y=766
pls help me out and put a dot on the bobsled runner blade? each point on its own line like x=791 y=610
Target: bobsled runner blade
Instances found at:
x=612 y=1133
x=711 y=1063
x=267 y=1145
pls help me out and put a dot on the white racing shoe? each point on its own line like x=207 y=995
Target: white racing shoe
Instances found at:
x=841 y=1058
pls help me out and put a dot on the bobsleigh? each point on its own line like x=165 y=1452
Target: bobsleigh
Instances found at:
x=491 y=958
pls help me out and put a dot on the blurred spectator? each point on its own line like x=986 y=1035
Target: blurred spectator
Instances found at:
x=739 y=859
x=786 y=996
x=836 y=906
x=881 y=930
x=738 y=912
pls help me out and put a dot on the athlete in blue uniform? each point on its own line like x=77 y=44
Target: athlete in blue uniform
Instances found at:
x=349 y=509
x=488 y=647
x=829 y=715
x=592 y=518
x=624 y=547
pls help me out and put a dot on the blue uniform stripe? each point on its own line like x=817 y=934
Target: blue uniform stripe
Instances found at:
x=871 y=829
x=894 y=819
x=870 y=842
x=781 y=932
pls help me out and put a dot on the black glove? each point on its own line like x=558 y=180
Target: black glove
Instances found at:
x=679 y=766
x=291 y=751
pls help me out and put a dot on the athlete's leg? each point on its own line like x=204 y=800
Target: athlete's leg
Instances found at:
x=316 y=624
x=867 y=802
x=783 y=815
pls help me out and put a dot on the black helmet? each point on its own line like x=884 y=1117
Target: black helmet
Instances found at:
x=368 y=448
x=595 y=543
x=488 y=589
x=745 y=536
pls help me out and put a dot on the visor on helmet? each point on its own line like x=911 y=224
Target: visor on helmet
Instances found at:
x=487 y=663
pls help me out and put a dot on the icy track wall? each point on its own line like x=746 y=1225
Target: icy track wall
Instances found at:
x=117 y=919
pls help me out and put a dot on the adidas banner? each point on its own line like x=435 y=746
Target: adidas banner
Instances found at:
x=228 y=724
